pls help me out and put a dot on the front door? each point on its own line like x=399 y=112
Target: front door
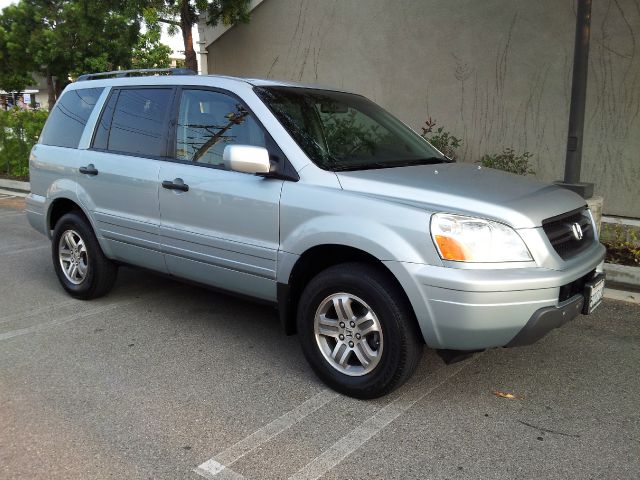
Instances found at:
x=218 y=227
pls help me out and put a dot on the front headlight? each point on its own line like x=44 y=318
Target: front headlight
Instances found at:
x=469 y=239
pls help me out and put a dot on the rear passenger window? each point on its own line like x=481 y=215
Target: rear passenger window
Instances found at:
x=135 y=121
x=209 y=121
x=69 y=116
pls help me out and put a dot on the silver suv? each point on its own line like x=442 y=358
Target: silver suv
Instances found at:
x=368 y=240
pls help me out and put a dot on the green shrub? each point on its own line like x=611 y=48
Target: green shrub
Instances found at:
x=19 y=131
x=441 y=139
x=622 y=244
x=509 y=161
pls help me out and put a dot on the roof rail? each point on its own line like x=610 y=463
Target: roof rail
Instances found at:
x=135 y=73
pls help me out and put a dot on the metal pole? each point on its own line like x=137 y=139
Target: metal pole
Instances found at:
x=578 y=93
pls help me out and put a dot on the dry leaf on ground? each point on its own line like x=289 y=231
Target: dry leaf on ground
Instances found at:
x=510 y=396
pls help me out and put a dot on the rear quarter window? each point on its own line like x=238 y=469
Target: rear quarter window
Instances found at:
x=69 y=116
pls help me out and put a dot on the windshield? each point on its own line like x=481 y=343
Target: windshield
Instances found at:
x=341 y=131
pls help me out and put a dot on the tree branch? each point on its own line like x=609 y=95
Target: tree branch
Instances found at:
x=170 y=22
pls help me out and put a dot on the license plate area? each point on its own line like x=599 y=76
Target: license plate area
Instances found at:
x=593 y=294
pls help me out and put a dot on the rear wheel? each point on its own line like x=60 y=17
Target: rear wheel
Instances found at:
x=358 y=331
x=80 y=265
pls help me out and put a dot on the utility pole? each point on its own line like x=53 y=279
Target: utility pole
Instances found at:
x=573 y=161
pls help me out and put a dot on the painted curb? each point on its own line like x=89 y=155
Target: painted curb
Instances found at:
x=622 y=295
x=15 y=185
x=622 y=274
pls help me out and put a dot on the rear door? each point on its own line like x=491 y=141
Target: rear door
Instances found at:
x=119 y=178
x=58 y=154
x=224 y=230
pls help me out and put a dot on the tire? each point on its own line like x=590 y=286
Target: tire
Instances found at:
x=382 y=318
x=95 y=274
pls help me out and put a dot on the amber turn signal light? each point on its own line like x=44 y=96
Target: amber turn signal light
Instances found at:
x=451 y=249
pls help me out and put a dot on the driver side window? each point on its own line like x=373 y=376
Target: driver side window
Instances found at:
x=209 y=121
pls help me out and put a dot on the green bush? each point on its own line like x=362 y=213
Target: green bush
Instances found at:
x=19 y=131
x=622 y=245
x=509 y=161
x=441 y=139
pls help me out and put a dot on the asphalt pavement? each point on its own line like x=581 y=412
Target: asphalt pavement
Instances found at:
x=165 y=380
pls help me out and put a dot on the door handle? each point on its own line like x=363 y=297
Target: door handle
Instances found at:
x=169 y=185
x=89 y=170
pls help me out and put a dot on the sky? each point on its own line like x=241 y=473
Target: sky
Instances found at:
x=174 y=42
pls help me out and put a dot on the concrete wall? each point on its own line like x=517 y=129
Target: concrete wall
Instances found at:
x=496 y=72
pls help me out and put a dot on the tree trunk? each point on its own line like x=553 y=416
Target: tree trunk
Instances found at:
x=190 y=58
x=58 y=87
x=51 y=91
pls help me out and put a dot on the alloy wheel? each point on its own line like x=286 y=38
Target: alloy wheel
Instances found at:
x=349 y=334
x=73 y=257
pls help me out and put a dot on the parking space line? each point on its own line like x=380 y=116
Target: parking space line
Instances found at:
x=11 y=214
x=36 y=311
x=215 y=470
x=372 y=426
x=6 y=252
x=218 y=466
x=70 y=318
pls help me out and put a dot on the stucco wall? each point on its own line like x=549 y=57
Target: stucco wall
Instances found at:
x=497 y=73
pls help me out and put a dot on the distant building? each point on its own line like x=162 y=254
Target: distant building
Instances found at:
x=177 y=61
x=35 y=95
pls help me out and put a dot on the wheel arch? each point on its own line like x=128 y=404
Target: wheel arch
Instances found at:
x=59 y=207
x=313 y=261
x=63 y=205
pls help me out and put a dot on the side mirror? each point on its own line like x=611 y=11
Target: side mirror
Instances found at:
x=247 y=159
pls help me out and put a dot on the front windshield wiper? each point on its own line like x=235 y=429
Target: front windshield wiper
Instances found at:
x=421 y=161
x=362 y=166
x=378 y=165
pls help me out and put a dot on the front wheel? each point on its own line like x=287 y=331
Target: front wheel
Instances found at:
x=358 y=331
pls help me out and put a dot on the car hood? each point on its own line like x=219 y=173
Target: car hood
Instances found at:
x=518 y=201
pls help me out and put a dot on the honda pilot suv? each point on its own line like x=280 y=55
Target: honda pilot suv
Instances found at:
x=370 y=242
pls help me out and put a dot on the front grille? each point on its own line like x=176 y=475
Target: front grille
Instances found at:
x=560 y=232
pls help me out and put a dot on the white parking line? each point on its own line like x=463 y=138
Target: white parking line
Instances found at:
x=215 y=470
x=12 y=214
x=218 y=466
x=22 y=250
x=373 y=425
x=37 y=311
x=70 y=318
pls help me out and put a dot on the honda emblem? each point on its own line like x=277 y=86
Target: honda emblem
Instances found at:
x=576 y=229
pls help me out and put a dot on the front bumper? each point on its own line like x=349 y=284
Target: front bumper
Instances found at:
x=546 y=319
x=473 y=309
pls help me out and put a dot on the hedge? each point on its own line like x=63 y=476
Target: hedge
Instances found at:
x=19 y=131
